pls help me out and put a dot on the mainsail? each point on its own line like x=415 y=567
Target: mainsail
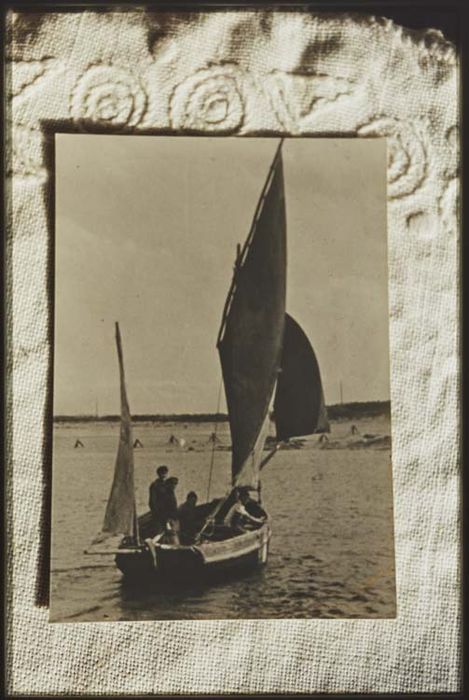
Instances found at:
x=250 y=338
x=299 y=407
x=121 y=514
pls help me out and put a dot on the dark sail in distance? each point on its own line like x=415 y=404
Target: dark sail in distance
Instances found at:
x=250 y=339
x=299 y=407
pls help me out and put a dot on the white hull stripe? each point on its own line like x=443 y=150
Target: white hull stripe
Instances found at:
x=211 y=558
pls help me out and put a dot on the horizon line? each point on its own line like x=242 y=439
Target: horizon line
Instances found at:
x=209 y=414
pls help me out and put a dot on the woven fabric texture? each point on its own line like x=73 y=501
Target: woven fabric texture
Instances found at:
x=243 y=73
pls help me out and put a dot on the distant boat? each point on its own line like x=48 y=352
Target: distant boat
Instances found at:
x=264 y=355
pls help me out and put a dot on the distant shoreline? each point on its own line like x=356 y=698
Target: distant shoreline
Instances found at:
x=346 y=411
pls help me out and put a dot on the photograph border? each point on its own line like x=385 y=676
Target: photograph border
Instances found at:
x=367 y=413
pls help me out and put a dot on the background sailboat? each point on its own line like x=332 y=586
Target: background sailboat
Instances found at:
x=120 y=519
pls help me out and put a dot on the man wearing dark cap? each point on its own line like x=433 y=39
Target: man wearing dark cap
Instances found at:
x=158 y=501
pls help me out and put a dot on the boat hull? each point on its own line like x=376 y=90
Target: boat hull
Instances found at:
x=207 y=560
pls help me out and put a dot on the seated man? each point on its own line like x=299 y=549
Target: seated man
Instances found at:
x=253 y=507
x=188 y=518
x=238 y=517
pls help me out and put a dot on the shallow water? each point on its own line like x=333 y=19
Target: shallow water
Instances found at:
x=331 y=552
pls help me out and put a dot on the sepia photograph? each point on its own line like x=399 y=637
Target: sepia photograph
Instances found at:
x=222 y=417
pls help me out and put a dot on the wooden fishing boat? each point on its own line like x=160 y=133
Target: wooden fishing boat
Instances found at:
x=265 y=358
x=219 y=551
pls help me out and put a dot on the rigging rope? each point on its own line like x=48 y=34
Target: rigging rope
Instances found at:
x=214 y=440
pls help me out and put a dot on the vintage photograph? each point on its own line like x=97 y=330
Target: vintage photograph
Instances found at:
x=222 y=419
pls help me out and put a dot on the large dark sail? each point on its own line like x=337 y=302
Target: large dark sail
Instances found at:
x=250 y=339
x=299 y=407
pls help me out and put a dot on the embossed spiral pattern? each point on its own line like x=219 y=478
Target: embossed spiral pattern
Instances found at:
x=109 y=96
x=407 y=157
x=210 y=99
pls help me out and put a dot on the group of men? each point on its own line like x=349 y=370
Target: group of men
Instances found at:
x=183 y=522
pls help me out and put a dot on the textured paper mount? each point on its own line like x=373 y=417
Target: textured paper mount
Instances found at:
x=248 y=73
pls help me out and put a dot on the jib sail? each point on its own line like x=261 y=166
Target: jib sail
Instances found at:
x=299 y=407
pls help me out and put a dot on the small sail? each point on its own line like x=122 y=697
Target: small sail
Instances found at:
x=121 y=514
x=299 y=407
x=249 y=472
x=323 y=421
x=251 y=333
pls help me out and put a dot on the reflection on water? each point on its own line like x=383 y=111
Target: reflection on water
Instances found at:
x=331 y=551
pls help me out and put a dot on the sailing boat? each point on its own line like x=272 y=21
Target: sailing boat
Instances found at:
x=265 y=358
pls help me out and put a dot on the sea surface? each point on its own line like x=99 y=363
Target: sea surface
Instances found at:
x=331 y=552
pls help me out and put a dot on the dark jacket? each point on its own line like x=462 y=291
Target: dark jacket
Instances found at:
x=162 y=502
x=254 y=509
x=188 y=516
x=171 y=504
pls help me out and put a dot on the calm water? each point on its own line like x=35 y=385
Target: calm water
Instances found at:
x=332 y=544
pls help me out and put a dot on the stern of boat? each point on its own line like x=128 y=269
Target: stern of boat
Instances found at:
x=140 y=562
x=135 y=562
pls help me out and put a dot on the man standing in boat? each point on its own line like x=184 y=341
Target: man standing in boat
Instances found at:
x=159 y=498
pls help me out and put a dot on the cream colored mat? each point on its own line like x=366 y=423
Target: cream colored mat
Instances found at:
x=251 y=73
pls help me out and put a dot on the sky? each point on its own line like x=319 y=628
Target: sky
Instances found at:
x=146 y=233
